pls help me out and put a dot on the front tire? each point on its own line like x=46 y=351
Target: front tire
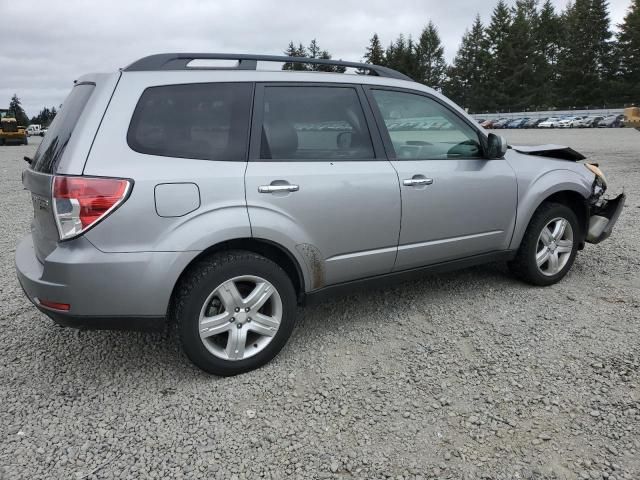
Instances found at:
x=549 y=245
x=235 y=311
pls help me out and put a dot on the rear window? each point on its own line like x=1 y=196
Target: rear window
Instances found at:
x=207 y=121
x=54 y=143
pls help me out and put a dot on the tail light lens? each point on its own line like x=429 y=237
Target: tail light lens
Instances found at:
x=81 y=202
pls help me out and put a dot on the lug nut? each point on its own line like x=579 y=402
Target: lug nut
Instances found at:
x=239 y=325
x=247 y=309
x=232 y=319
x=237 y=309
x=248 y=319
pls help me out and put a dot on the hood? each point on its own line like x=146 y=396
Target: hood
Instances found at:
x=552 y=151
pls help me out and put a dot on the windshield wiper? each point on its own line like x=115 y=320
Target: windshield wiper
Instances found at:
x=28 y=160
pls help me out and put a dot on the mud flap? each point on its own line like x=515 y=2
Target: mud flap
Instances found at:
x=603 y=219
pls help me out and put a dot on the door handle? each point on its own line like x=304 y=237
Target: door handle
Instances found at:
x=278 y=188
x=413 y=182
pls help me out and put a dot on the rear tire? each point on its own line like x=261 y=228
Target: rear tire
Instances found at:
x=226 y=326
x=549 y=246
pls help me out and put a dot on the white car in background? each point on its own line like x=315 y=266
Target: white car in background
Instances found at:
x=551 y=122
x=568 y=122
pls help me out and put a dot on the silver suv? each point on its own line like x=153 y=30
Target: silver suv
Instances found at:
x=221 y=196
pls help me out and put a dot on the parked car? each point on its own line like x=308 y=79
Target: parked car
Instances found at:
x=220 y=199
x=33 y=129
x=612 y=121
x=589 y=122
x=566 y=122
x=488 y=123
x=551 y=122
x=520 y=123
x=533 y=122
x=501 y=123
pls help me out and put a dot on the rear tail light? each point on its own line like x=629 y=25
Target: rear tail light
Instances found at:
x=81 y=202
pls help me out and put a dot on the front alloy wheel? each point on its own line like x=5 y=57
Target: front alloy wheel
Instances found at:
x=555 y=245
x=549 y=245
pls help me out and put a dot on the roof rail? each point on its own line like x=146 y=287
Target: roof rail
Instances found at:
x=180 y=61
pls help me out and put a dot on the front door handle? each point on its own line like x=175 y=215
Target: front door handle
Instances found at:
x=414 y=182
x=278 y=188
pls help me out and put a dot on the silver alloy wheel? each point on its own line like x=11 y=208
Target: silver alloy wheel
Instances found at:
x=554 y=246
x=240 y=317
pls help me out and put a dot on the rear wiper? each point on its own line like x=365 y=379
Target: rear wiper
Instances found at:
x=28 y=160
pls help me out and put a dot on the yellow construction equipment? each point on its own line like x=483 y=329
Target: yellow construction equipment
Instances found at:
x=11 y=132
x=632 y=117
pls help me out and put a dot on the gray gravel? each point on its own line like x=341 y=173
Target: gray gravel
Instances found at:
x=465 y=375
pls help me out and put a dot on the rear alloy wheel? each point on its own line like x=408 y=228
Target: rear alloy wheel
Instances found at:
x=240 y=317
x=235 y=311
x=549 y=246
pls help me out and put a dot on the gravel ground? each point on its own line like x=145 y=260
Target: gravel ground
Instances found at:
x=465 y=375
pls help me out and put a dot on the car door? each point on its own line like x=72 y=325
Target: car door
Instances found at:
x=455 y=203
x=318 y=181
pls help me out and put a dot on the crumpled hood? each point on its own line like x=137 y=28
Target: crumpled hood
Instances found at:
x=553 y=151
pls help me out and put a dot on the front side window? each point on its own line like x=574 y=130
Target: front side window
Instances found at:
x=207 y=121
x=314 y=123
x=421 y=128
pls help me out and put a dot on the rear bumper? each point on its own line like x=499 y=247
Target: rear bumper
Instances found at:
x=603 y=219
x=103 y=290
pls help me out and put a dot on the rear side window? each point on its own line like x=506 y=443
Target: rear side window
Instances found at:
x=207 y=121
x=54 y=143
x=314 y=123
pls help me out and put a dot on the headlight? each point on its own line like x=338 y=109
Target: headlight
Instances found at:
x=596 y=170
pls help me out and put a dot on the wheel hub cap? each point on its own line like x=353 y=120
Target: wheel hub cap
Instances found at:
x=554 y=247
x=240 y=317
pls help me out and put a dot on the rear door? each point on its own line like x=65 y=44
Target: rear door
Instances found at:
x=317 y=181
x=455 y=203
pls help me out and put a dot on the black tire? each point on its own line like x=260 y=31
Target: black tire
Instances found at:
x=201 y=281
x=524 y=265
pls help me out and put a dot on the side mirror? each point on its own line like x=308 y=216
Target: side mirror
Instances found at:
x=496 y=146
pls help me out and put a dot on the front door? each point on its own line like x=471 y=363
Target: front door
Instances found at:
x=317 y=181
x=455 y=203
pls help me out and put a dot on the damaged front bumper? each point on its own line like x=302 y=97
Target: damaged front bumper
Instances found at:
x=603 y=217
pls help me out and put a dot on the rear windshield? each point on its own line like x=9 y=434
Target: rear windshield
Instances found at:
x=54 y=143
x=207 y=121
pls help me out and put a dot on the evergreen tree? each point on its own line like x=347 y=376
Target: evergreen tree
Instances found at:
x=467 y=76
x=521 y=59
x=293 y=51
x=585 y=61
x=629 y=54
x=548 y=34
x=15 y=109
x=375 y=53
x=431 y=67
x=497 y=45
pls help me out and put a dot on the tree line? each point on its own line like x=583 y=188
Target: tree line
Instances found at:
x=529 y=57
x=44 y=117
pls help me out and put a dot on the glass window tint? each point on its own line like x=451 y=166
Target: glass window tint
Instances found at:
x=421 y=128
x=207 y=121
x=55 y=141
x=314 y=123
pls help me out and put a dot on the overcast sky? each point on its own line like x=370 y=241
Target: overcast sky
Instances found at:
x=46 y=44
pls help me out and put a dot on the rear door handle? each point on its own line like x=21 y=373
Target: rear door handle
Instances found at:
x=278 y=188
x=413 y=182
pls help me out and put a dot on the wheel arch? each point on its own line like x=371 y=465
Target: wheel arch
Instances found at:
x=268 y=249
x=564 y=186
